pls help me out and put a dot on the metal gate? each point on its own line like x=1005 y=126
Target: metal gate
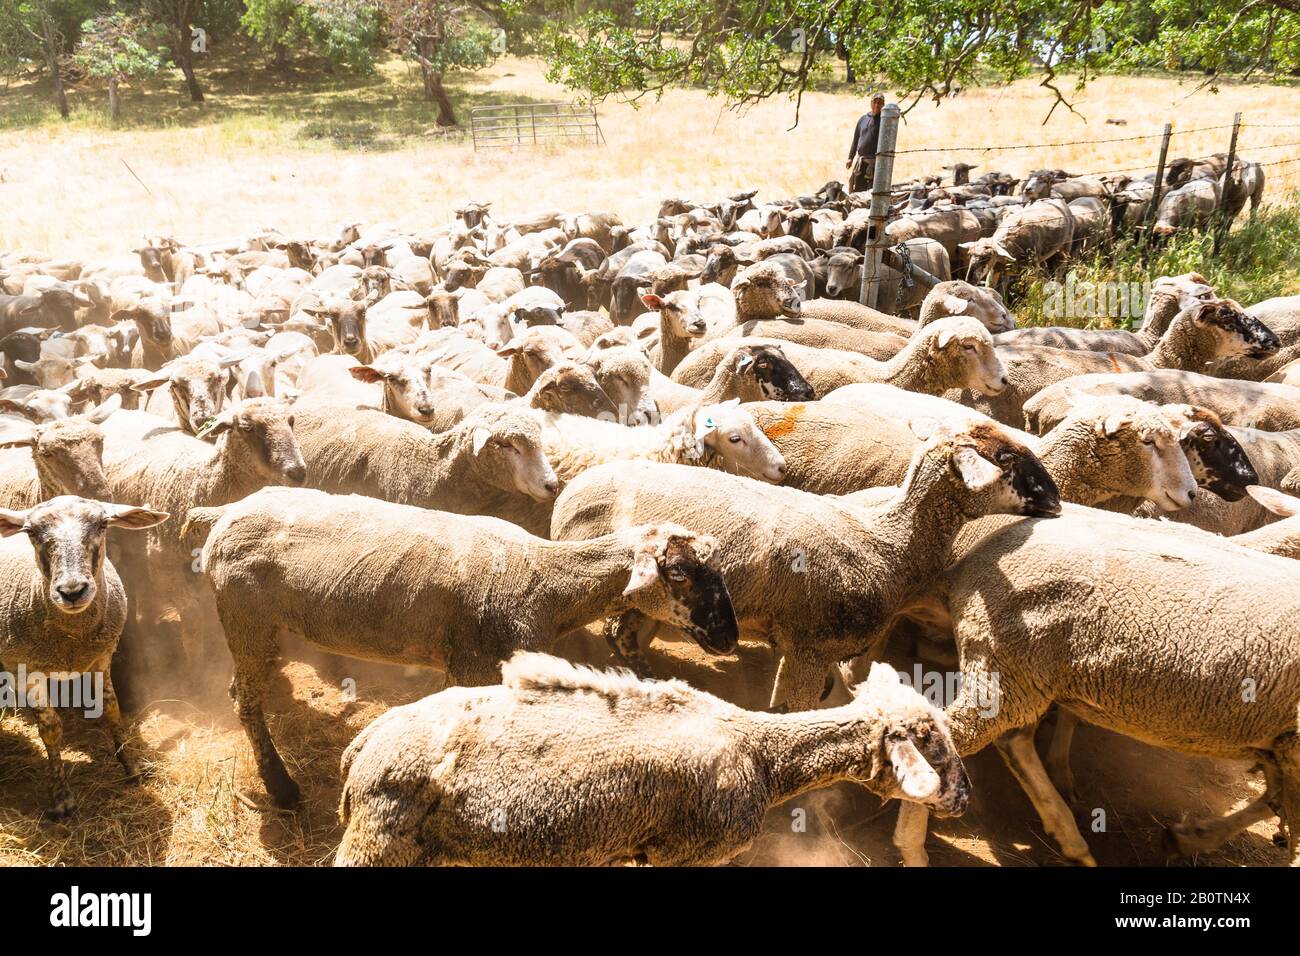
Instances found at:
x=530 y=124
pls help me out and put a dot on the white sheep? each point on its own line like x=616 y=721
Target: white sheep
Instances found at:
x=646 y=771
x=387 y=582
x=62 y=608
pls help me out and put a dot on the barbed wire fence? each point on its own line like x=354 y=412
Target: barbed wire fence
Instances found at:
x=878 y=246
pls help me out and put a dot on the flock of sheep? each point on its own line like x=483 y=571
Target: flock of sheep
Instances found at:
x=451 y=449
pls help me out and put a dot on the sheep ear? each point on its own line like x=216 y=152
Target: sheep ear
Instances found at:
x=977 y=472
x=955 y=304
x=1275 y=501
x=1002 y=251
x=100 y=413
x=800 y=285
x=743 y=363
x=652 y=301
x=509 y=349
x=366 y=373
x=1107 y=427
x=967 y=245
x=159 y=379
x=18 y=437
x=133 y=517
x=945 y=336
x=645 y=572
x=480 y=438
x=214 y=426
x=12 y=522
x=915 y=776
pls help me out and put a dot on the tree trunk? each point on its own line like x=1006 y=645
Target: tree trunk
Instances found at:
x=52 y=57
x=433 y=88
x=114 y=101
x=185 y=60
x=446 y=114
x=281 y=59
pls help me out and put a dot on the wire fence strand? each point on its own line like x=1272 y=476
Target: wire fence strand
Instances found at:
x=993 y=148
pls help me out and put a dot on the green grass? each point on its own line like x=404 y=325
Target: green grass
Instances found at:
x=1257 y=261
x=380 y=111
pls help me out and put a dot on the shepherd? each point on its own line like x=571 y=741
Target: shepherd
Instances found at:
x=862 y=151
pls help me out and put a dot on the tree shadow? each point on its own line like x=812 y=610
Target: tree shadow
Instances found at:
x=380 y=111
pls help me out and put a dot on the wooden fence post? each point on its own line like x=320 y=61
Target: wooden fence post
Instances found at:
x=881 y=199
x=1160 y=177
x=1221 y=223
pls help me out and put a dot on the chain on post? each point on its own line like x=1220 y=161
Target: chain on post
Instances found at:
x=905 y=260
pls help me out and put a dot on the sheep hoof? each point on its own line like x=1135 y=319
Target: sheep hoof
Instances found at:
x=62 y=806
x=285 y=795
x=1279 y=838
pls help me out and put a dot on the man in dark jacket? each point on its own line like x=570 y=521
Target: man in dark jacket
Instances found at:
x=862 y=151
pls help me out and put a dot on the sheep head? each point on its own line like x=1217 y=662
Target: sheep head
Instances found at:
x=989 y=471
x=68 y=536
x=677 y=578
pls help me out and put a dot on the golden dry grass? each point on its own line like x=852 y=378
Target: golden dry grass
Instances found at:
x=244 y=161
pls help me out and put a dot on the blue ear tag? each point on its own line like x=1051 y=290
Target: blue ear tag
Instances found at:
x=745 y=360
x=708 y=423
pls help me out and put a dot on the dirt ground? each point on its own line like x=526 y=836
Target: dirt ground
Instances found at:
x=203 y=804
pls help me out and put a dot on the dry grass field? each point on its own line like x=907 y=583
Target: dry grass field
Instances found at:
x=305 y=157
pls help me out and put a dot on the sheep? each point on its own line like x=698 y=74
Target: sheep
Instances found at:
x=490 y=463
x=1066 y=612
x=396 y=383
x=63 y=612
x=354 y=334
x=945 y=299
x=1169 y=296
x=665 y=774
x=149 y=459
x=513 y=367
x=1247 y=404
x=1271 y=456
x=818 y=579
x=1040 y=232
x=824 y=369
x=954 y=353
x=1098 y=455
x=571 y=388
x=749 y=373
x=196 y=388
x=719 y=436
x=63 y=457
x=684 y=316
x=1204 y=331
x=350 y=573
x=97 y=385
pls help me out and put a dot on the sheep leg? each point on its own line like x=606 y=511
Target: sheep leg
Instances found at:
x=1201 y=836
x=254 y=664
x=51 y=730
x=623 y=635
x=909 y=833
x=1287 y=752
x=113 y=715
x=1058 y=755
x=800 y=680
x=1017 y=749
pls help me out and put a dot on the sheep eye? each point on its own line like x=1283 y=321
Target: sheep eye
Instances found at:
x=734 y=439
x=1148 y=441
